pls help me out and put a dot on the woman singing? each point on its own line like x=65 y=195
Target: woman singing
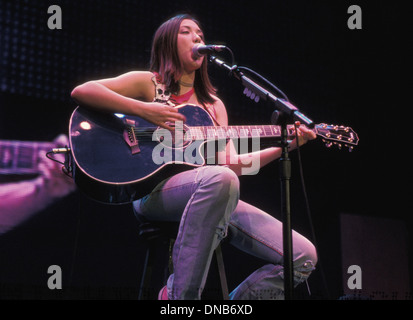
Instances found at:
x=205 y=200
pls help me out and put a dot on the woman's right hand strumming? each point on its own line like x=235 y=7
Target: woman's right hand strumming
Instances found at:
x=160 y=114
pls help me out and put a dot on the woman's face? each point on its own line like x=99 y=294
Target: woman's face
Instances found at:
x=189 y=34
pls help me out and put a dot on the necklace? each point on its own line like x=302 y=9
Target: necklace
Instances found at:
x=186 y=84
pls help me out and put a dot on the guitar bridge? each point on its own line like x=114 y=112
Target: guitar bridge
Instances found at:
x=130 y=138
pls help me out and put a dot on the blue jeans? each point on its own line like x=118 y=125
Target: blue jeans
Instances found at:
x=206 y=202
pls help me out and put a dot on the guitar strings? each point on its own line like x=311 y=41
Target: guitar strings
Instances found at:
x=204 y=131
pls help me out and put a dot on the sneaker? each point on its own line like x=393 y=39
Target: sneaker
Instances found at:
x=163 y=294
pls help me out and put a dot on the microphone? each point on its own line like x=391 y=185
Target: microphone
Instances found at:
x=199 y=50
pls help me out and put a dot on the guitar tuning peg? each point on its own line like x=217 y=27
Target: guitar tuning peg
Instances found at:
x=350 y=148
x=329 y=144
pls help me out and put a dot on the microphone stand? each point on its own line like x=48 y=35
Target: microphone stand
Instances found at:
x=284 y=112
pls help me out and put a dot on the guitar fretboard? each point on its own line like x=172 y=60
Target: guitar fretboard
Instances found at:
x=21 y=157
x=234 y=132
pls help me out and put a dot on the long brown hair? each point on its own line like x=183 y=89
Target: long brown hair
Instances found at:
x=165 y=60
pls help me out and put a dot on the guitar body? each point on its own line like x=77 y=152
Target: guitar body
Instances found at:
x=109 y=168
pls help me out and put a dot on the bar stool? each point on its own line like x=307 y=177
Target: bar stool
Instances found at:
x=156 y=234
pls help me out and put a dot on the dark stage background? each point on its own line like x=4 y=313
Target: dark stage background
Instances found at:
x=331 y=73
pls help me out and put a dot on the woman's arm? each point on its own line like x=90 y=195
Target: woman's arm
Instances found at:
x=130 y=93
x=117 y=94
x=250 y=163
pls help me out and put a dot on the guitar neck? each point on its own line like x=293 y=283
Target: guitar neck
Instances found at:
x=241 y=132
x=331 y=134
x=21 y=157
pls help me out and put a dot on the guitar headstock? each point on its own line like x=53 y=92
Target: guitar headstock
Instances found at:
x=337 y=135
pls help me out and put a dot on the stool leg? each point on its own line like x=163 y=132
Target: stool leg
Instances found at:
x=146 y=275
x=221 y=270
x=220 y=263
